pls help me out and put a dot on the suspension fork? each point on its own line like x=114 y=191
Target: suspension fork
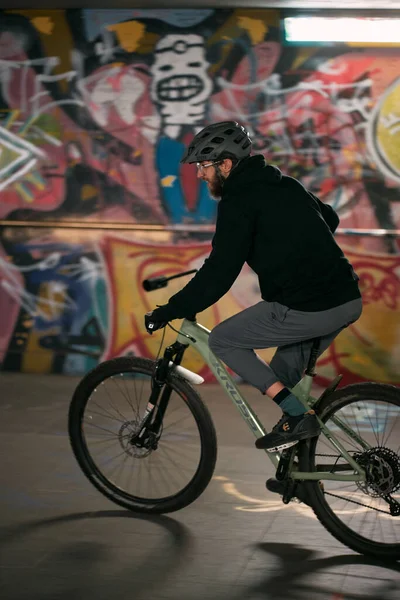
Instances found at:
x=173 y=353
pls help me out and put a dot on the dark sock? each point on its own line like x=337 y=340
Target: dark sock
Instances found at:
x=289 y=404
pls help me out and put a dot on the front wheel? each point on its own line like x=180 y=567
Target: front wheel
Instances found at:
x=358 y=514
x=104 y=416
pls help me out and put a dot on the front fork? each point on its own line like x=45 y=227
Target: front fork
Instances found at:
x=152 y=420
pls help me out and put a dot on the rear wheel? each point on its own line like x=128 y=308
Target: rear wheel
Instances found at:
x=104 y=416
x=359 y=514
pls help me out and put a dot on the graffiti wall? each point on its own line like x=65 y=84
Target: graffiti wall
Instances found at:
x=96 y=108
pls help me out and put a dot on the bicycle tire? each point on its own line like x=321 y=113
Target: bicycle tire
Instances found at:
x=200 y=412
x=321 y=508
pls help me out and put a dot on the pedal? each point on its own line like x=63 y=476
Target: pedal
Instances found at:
x=297 y=494
x=282 y=488
x=285 y=463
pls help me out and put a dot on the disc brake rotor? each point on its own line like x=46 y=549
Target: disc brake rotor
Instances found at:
x=382 y=468
x=127 y=432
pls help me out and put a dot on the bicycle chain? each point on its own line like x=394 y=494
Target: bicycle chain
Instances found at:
x=385 y=512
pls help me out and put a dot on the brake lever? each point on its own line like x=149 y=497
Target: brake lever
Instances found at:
x=152 y=326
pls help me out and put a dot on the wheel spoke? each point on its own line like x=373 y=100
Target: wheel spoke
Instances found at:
x=111 y=433
x=144 y=475
x=360 y=507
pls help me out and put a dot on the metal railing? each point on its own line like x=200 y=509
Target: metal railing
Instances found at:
x=393 y=233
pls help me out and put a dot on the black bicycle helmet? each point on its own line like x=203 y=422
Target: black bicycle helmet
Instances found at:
x=214 y=140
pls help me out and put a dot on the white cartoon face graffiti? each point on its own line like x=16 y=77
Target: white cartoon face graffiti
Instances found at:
x=180 y=83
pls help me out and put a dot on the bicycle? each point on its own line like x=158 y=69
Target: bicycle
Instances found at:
x=358 y=478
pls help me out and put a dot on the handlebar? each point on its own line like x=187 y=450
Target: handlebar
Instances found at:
x=155 y=283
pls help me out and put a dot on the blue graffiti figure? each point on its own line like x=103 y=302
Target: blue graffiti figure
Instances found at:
x=168 y=154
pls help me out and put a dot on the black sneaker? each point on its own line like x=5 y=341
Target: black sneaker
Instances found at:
x=288 y=431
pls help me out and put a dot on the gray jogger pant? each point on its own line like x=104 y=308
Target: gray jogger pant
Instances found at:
x=270 y=325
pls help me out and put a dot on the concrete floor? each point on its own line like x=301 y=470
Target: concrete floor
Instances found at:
x=60 y=539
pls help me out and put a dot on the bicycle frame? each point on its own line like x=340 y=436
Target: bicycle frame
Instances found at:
x=195 y=335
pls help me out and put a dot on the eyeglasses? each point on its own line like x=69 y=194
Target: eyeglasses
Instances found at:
x=201 y=167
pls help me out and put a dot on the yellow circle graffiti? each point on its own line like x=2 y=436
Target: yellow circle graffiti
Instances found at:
x=385 y=132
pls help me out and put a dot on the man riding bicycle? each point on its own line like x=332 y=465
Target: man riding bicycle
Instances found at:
x=308 y=288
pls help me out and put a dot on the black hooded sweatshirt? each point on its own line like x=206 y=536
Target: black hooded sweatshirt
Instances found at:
x=283 y=232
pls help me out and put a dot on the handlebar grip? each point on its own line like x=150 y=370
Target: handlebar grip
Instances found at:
x=155 y=283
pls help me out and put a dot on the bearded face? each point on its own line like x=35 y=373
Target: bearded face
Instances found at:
x=215 y=185
x=214 y=180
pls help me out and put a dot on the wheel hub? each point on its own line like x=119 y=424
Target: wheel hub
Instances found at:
x=129 y=442
x=382 y=468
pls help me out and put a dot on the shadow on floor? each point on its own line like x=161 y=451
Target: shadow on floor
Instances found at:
x=79 y=568
x=298 y=567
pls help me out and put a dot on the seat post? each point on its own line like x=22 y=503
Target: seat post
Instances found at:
x=313 y=357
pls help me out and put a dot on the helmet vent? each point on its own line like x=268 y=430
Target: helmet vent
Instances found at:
x=239 y=138
x=217 y=140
